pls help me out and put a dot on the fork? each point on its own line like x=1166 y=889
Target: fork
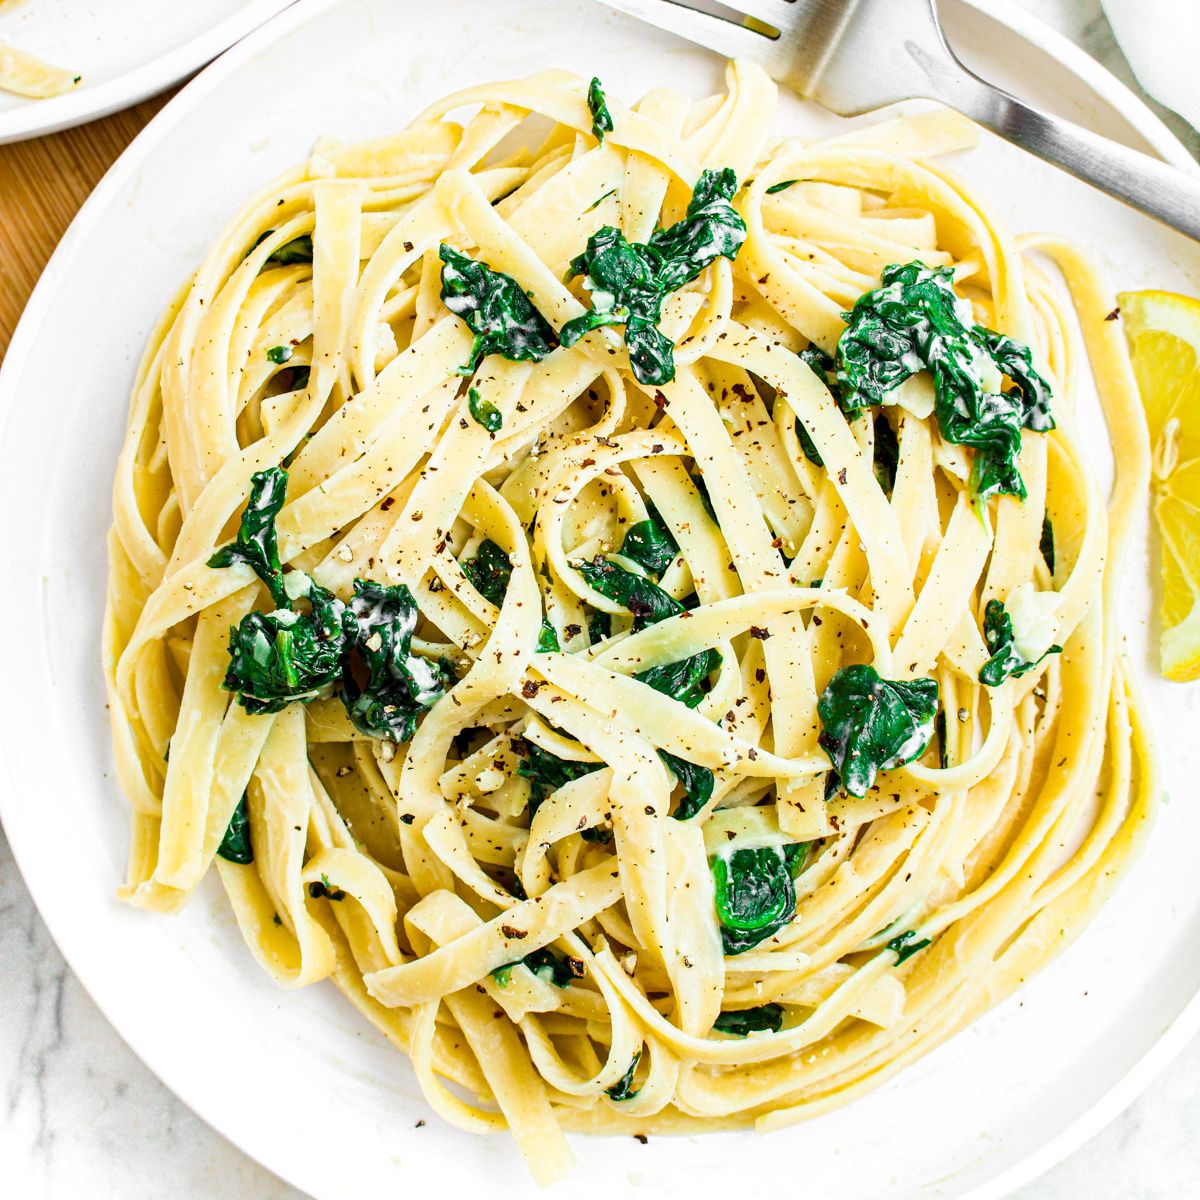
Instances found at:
x=855 y=56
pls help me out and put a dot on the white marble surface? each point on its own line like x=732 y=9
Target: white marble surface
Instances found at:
x=83 y=1119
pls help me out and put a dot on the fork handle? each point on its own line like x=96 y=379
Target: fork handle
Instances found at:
x=1157 y=188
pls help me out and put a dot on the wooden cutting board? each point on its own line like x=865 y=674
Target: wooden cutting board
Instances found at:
x=43 y=182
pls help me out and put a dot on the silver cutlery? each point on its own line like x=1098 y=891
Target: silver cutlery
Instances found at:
x=855 y=56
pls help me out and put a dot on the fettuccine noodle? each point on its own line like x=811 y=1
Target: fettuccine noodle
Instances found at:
x=415 y=875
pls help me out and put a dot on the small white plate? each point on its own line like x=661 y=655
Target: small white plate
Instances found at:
x=125 y=50
x=296 y=1078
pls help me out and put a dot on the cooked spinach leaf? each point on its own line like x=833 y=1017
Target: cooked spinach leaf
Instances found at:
x=235 y=845
x=743 y=1021
x=682 y=680
x=825 y=370
x=544 y=963
x=279 y=355
x=602 y=121
x=648 y=603
x=385 y=686
x=623 y=1089
x=755 y=896
x=489 y=572
x=256 y=544
x=630 y=281
x=298 y=250
x=904 y=946
x=483 y=413
x=547 y=772
x=696 y=781
x=276 y=659
x=1005 y=662
x=939 y=726
x=599 y=627
x=869 y=724
x=1046 y=545
x=775 y=188
x=808 y=445
x=916 y=322
x=495 y=309
x=887 y=454
x=649 y=544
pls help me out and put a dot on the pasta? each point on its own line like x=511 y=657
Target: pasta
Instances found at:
x=26 y=75
x=659 y=701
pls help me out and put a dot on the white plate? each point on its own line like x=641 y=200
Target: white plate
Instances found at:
x=297 y=1079
x=125 y=50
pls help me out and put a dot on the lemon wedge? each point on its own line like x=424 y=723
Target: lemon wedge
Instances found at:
x=1163 y=329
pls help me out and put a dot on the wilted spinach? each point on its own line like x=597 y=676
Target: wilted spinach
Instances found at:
x=602 y=121
x=1005 y=662
x=630 y=281
x=870 y=724
x=547 y=772
x=755 y=896
x=649 y=544
x=483 y=413
x=623 y=1089
x=256 y=545
x=743 y=1021
x=915 y=322
x=278 y=658
x=544 y=963
x=904 y=946
x=385 y=686
x=648 y=603
x=235 y=845
x=495 y=309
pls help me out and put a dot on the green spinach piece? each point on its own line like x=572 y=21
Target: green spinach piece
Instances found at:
x=743 y=1021
x=544 y=963
x=648 y=603
x=755 y=896
x=602 y=121
x=483 y=413
x=256 y=544
x=870 y=724
x=623 y=1089
x=630 y=281
x=904 y=946
x=696 y=781
x=279 y=355
x=599 y=627
x=547 y=772
x=775 y=188
x=682 y=680
x=298 y=250
x=276 y=659
x=914 y=322
x=887 y=454
x=495 y=309
x=235 y=845
x=649 y=544
x=1005 y=663
x=489 y=572
x=399 y=685
x=1046 y=545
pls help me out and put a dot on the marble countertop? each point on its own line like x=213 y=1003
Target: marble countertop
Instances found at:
x=84 y=1119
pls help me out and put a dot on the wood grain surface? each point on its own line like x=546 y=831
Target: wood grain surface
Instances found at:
x=43 y=182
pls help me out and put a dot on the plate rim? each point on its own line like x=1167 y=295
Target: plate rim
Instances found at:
x=38 y=118
x=291 y=15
